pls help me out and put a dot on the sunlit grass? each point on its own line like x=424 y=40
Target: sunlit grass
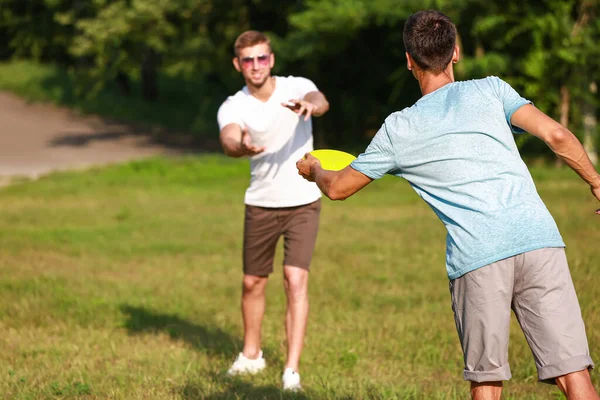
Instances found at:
x=123 y=283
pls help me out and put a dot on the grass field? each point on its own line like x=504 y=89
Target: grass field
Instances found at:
x=123 y=283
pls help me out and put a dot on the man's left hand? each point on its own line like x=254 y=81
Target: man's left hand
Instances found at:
x=301 y=107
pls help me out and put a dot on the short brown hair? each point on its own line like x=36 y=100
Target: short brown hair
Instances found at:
x=429 y=38
x=249 y=39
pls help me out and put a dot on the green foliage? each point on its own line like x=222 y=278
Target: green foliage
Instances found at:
x=544 y=45
x=352 y=49
x=122 y=35
x=31 y=32
x=179 y=108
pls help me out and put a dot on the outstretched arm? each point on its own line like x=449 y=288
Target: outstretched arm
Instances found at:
x=236 y=142
x=337 y=185
x=313 y=104
x=561 y=141
x=319 y=100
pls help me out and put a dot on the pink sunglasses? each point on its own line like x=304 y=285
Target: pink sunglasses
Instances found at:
x=262 y=60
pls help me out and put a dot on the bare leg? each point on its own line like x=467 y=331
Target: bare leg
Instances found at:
x=296 y=288
x=577 y=386
x=486 y=390
x=253 y=310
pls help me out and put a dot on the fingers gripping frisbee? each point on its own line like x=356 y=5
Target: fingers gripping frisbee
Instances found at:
x=333 y=160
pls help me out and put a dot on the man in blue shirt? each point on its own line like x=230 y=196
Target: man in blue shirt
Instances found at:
x=503 y=249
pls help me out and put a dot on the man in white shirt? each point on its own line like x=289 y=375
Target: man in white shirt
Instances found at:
x=269 y=121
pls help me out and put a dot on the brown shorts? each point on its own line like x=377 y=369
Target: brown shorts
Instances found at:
x=537 y=286
x=263 y=227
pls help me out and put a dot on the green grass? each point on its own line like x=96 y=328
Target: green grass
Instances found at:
x=183 y=105
x=123 y=283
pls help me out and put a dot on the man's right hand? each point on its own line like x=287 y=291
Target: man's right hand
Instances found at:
x=305 y=166
x=236 y=142
x=246 y=145
x=596 y=192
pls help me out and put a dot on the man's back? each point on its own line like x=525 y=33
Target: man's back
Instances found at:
x=455 y=147
x=504 y=252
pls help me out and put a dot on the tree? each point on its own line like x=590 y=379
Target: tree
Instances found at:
x=551 y=46
x=354 y=50
x=31 y=31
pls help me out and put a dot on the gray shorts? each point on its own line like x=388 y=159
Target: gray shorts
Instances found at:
x=537 y=286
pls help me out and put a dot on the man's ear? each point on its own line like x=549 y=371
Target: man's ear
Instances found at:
x=236 y=64
x=408 y=61
x=456 y=55
x=272 y=62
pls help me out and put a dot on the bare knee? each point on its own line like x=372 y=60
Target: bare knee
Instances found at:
x=254 y=284
x=295 y=281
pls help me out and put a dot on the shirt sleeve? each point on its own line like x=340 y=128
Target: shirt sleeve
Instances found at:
x=379 y=158
x=229 y=114
x=511 y=100
x=303 y=86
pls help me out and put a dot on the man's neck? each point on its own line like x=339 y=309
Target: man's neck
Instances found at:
x=429 y=82
x=264 y=92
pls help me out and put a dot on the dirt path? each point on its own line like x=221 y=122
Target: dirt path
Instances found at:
x=36 y=139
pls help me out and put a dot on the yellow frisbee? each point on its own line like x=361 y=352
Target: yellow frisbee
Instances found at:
x=333 y=160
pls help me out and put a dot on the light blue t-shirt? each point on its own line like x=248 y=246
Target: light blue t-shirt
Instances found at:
x=456 y=149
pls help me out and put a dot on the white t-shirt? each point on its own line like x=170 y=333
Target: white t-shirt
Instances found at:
x=274 y=180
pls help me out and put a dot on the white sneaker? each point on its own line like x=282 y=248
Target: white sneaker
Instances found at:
x=291 y=380
x=243 y=365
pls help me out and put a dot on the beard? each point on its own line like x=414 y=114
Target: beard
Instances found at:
x=257 y=84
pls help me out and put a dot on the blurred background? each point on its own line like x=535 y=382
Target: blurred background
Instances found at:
x=122 y=281
x=168 y=62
